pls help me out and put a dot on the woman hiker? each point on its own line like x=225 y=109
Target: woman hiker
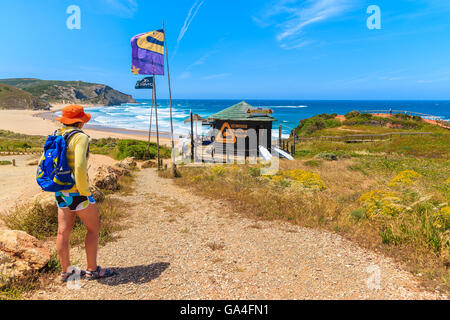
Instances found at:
x=78 y=201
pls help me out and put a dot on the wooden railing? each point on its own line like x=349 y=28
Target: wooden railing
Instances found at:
x=362 y=137
x=10 y=153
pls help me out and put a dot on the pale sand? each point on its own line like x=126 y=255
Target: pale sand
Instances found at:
x=26 y=122
x=18 y=184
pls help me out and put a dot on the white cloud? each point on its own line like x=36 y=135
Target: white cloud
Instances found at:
x=217 y=76
x=187 y=22
x=296 y=15
x=125 y=8
x=185 y=75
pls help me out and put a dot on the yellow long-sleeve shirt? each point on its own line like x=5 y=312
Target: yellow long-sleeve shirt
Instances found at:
x=77 y=160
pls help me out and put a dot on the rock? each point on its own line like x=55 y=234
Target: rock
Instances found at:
x=4 y=258
x=121 y=171
x=46 y=200
x=128 y=163
x=98 y=195
x=106 y=178
x=21 y=254
x=149 y=164
x=33 y=162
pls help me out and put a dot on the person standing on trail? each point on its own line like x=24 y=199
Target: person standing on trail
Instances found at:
x=78 y=201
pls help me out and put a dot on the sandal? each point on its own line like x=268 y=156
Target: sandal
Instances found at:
x=97 y=274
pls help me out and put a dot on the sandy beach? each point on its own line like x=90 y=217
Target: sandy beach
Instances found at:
x=42 y=123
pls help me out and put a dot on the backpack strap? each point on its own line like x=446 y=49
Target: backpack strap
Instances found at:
x=70 y=134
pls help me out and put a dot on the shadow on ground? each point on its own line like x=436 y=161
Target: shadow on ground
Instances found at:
x=136 y=274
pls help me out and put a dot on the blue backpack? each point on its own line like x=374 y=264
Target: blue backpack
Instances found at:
x=53 y=173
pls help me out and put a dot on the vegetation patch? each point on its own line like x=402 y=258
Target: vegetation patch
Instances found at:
x=307 y=179
x=140 y=150
x=405 y=178
x=379 y=202
x=316 y=123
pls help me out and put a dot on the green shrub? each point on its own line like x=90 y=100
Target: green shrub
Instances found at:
x=328 y=156
x=316 y=123
x=358 y=214
x=140 y=150
x=254 y=172
x=352 y=114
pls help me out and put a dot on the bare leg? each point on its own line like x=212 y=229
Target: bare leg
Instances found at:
x=66 y=219
x=90 y=219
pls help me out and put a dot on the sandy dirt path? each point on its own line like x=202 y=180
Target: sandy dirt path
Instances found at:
x=182 y=246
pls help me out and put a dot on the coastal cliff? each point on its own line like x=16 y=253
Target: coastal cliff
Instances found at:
x=14 y=98
x=51 y=91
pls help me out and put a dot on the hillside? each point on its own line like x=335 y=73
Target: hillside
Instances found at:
x=14 y=98
x=70 y=91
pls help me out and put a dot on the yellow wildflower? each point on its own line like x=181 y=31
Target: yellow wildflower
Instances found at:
x=380 y=202
x=307 y=179
x=442 y=219
x=218 y=170
x=406 y=177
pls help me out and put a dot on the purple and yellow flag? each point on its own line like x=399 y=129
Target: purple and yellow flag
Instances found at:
x=148 y=53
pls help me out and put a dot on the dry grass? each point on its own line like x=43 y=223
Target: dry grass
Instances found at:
x=126 y=185
x=42 y=222
x=216 y=246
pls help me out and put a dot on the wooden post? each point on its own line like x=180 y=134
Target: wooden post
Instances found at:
x=192 y=137
x=157 y=128
x=293 y=145
x=174 y=166
x=279 y=138
x=14 y=162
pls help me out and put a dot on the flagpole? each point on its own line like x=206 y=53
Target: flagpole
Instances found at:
x=174 y=166
x=157 y=128
x=150 y=129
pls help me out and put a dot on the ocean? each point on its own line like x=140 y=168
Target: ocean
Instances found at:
x=287 y=112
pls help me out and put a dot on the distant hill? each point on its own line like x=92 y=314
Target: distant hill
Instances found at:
x=14 y=98
x=70 y=91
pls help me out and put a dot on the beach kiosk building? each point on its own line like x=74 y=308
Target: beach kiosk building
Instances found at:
x=242 y=127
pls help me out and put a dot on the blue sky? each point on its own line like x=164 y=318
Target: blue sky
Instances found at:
x=267 y=49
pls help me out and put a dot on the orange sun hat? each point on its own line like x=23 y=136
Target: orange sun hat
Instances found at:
x=73 y=114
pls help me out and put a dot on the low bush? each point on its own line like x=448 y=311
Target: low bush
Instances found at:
x=140 y=150
x=352 y=114
x=316 y=123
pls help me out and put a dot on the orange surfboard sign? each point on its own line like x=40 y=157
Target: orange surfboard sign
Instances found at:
x=226 y=136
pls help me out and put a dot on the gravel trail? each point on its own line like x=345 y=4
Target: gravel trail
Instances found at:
x=182 y=246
